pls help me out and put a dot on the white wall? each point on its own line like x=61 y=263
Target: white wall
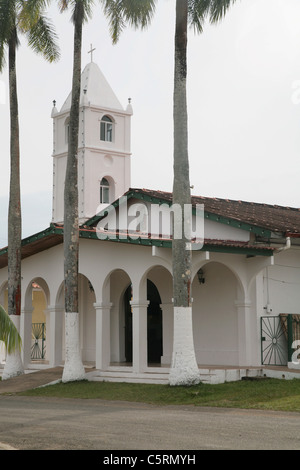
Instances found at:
x=281 y=283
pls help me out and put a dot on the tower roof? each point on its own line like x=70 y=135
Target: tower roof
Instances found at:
x=95 y=90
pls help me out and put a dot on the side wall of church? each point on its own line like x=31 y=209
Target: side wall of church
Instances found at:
x=226 y=308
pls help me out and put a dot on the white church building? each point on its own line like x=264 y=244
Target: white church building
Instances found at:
x=246 y=274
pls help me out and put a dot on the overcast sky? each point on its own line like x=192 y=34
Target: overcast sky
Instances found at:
x=243 y=105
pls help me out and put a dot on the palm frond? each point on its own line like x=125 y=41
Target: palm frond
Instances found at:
x=2 y=57
x=200 y=11
x=197 y=13
x=135 y=13
x=7 y=22
x=218 y=9
x=138 y=14
x=9 y=333
x=63 y=5
x=113 y=11
x=43 y=39
x=30 y=12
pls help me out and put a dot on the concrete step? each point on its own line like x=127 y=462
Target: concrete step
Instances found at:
x=130 y=377
x=161 y=375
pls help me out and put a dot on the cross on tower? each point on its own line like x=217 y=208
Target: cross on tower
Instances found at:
x=91 y=52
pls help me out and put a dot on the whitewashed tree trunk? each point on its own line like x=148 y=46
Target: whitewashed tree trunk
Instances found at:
x=184 y=369
x=13 y=364
x=73 y=368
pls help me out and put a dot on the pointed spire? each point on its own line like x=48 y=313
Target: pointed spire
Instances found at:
x=95 y=90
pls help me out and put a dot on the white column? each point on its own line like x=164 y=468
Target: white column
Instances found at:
x=244 y=332
x=54 y=330
x=102 y=335
x=26 y=335
x=167 y=328
x=139 y=335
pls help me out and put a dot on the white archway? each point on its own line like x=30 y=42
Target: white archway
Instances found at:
x=216 y=316
x=34 y=320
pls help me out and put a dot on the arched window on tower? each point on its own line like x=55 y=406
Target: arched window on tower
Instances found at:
x=104 y=191
x=106 y=129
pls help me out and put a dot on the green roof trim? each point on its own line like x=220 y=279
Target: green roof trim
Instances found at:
x=163 y=243
x=52 y=230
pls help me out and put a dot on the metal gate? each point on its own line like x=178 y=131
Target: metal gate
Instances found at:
x=274 y=345
x=38 y=348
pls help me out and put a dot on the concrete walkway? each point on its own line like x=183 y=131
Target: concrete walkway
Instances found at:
x=31 y=380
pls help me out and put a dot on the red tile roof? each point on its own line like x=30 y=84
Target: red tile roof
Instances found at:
x=271 y=217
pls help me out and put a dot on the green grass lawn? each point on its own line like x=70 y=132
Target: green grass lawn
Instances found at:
x=266 y=394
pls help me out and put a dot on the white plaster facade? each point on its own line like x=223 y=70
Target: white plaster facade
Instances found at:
x=125 y=285
x=226 y=308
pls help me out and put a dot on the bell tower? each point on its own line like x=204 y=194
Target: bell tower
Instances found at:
x=104 y=147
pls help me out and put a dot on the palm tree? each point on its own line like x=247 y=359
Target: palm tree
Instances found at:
x=19 y=16
x=9 y=333
x=73 y=368
x=119 y=12
x=184 y=369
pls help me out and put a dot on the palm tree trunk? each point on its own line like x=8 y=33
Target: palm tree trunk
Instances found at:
x=184 y=369
x=13 y=364
x=73 y=369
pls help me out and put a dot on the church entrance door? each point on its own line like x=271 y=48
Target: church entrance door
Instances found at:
x=154 y=325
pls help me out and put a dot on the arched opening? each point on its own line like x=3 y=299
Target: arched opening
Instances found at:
x=215 y=317
x=36 y=302
x=39 y=305
x=154 y=324
x=128 y=324
x=86 y=300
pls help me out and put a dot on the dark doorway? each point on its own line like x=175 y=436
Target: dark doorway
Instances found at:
x=154 y=325
x=128 y=324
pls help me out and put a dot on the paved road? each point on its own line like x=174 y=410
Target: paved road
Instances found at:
x=39 y=423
